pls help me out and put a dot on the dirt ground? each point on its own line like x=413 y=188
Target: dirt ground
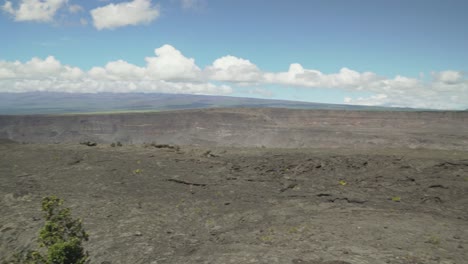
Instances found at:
x=243 y=205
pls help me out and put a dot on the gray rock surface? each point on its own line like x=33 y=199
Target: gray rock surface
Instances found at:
x=284 y=128
x=243 y=205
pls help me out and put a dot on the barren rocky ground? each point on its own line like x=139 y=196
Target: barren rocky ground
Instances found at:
x=243 y=205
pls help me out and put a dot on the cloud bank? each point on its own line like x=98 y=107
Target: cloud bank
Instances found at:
x=170 y=71
x=167 y=72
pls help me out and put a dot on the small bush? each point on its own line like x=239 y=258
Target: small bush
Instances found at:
x=89 y=143
x=60 y=239
x=435 y=240
x=118 y=144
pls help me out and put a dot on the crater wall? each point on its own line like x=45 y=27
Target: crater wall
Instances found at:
x=245 y=127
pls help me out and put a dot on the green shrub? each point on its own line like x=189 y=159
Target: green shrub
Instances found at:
x=60 y=239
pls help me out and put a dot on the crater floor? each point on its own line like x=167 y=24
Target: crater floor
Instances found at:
x=142 y=204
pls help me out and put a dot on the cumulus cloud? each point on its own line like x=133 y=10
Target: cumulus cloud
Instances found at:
x=447 y=90
x=448 y=77
x=171 y=64
x=90 y=85
x=118 y=71
x=298 y=76
x=170 y=71
x=37 y=68
x=34 y=10
x=124 y=14
x=233 y=69
x=6 y=73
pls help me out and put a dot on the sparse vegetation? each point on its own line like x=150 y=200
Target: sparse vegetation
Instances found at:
x=161 y=146
x=89 y=143
x=141 y=202
x=434 y=240
x=116 y=144
x=60 y=239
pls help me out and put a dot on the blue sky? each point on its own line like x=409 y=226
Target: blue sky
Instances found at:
x=397 y=53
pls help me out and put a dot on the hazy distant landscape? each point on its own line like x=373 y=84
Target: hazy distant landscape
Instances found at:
x=68 y=103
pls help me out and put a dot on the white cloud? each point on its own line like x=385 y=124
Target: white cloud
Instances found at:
x=373 y=100
x=90 y=85
x=168 y=65
x=233 y=69
x=32 y=69
x=448 y=90
x=170 y=71
x=6 y=73
x=36 y=68
x=298 y=76
x=448 y=77
x=71 y=73
x=123 y=14
x=171 y=64
x=8 y=7
x=409 y=92
x=34 y=10
x=118 y=71
x=39 y=67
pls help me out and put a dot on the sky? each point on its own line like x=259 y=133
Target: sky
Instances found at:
x=368 y=52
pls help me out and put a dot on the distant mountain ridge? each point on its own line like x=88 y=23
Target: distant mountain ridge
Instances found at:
x=69 y=103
